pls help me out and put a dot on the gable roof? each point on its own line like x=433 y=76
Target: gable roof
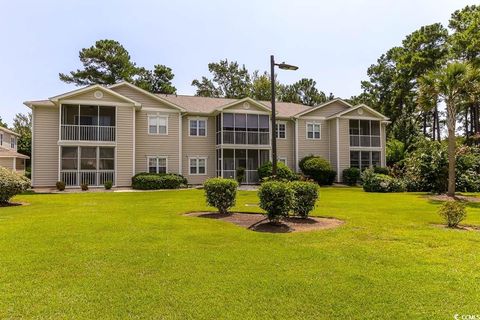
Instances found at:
x=149 y=94
x=322 y=106
x=376 y=113
x=91 y=88
x=9 y=131
x=7 y=153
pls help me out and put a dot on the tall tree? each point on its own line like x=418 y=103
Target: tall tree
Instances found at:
x=262 y=86
x=451 y=85
x=3 y=124
x=22 y=124
x=158 y=80
x=230 y=80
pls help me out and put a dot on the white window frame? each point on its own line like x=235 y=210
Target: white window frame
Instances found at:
x=156 y=165
x=196 y=166
x=277 y=131
x=313 y=132
x=197 y=120
x=157 y=133
x=13 y=142
x=283 y=159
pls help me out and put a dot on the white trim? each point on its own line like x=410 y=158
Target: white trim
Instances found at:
x=284 y=159
x=158 y=126
x=134 y=142
x=338 y=150
x=198 y=119
x=296 y=146
x=277 y=131
x=32 y=162
x=313 y=135
x=14 y=164
x=97 y=103
x=71 y=143
x=340 y=114
x=323 y=105
x=197 y=166
x=313 y=118
x=164 y=110
x=5 y=130
x=149 y=94
x=91 y=88
x=362 y=118
x=180 y=143
x=157 y=157
x=247 y=112
x=231 y=104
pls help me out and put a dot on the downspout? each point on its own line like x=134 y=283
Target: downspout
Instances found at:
x=338 y=149
x=180 y=147
x=297 y=168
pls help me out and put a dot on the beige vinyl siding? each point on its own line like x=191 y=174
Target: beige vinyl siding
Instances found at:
x=199 y=147
x=332 y=126
x=6 y=140
x=318 y=147
x=365 y=114
x=286 y=147
x=383 y=140
x=125 y=146
x=240 y=107
x=344 y=146
x=89 y=96
x=20 y=165
x=7 y=163
x=328 y=110
x=156 y=145
x=45 y=147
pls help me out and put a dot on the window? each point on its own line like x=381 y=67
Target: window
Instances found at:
x=157 y=164
x=198 y=127
x=365 y=159
x=313 y=131
x=106 y=158
x=12 y=142
x=88 y=158
x=240 y=128
x=157 y=124
x=364 y=133
x=282 y=160
x=281 y=130
x=1 y=139
x=198 y=166
x=69 y=158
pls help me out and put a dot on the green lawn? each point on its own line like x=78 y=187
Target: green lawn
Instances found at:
x=134 y=255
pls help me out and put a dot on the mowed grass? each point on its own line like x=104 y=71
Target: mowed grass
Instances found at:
x=134 y=255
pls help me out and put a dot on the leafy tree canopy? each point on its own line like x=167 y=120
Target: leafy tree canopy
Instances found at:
x=22 y=124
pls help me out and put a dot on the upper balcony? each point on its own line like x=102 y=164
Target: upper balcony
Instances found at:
x=88 y=123
x=243 y=129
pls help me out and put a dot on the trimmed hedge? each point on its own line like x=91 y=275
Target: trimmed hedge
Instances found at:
x=318 y=169
x=305 y=196
x=276 y=198
x=221 y=193
x=351 y=176
x=11 y=184
x=381 y=170
x=155 y=181
x=376 y=182
x=283 y=172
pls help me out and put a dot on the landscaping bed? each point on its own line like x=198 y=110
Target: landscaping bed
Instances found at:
x=259 y=222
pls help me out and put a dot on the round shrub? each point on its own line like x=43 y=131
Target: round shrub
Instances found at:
x=453 y=212
x=60 y=185
x=283 y=172
x=276 y=198
x=381 y=170
x=375 y=182
x=318 y=169
x=156 y=181
x=221 y=193
x=84 y=186
x=11 y=184
x=305 y=196
x=351 y=176
x=108 y=184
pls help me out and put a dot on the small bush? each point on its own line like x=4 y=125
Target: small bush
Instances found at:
x=318 y=169
x=84 y=186
x=351 y=176
x=375 y=182
x=305 y=196
x=11 y=184
x=276 y=198
x=240 y=174
x=221 y=193
x=108 y=184
x=283 y=172
x=60 y=185
x=381 y=170
x=453 y=212
x=156 y=181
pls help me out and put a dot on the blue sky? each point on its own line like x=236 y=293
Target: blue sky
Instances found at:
x=333 y=42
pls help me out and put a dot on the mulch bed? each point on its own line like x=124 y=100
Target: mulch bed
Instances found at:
x=13 y=204
x=444 y=197
x=259 y=222
x=460 y=228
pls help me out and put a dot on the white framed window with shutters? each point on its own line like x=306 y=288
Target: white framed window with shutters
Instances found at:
x=157 y=124
x=157 y=164
x=197 y=127
x=314 y=130
x=198 y=166
x=281 y=130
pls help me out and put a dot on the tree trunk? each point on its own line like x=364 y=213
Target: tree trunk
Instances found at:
x=434 y=122
x=466 y=123
x=425 y=124
x=451 y=122
x=437 y=119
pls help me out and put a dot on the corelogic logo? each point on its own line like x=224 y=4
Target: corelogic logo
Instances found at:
x=466 y=316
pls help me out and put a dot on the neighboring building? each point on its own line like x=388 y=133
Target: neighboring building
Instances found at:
x=9 y=157
x=98 y=133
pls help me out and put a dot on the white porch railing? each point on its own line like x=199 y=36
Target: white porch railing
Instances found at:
x=87 y=133
x=90 y=177
x=246 y=137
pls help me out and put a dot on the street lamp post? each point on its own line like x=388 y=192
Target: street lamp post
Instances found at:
x=282 y=66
